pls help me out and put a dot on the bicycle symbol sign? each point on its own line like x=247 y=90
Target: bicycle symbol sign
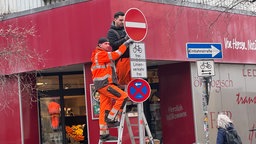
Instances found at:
x=137 y=48
x=137 y=51
x=138 y=60
x=205 y=68
x=205 y=65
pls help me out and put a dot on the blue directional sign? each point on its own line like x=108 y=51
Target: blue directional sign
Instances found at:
x=204 y=50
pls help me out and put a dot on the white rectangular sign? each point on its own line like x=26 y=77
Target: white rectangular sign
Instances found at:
x=138 y=60
x=205 y=68
x=137 y=51
x=138 y=69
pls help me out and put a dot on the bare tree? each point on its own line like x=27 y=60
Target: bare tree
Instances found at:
x=235 y=4
x=16 y=57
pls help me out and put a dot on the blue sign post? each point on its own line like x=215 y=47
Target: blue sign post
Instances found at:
x=204 y=50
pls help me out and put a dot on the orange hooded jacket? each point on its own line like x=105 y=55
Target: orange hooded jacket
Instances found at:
x=103 y=66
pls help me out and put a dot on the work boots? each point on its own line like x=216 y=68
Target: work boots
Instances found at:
x=110 y=122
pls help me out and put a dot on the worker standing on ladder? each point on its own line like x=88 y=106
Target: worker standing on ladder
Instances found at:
x=117 y=36
x=105 y=82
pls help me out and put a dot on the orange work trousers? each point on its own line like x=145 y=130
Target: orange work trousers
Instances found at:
x=123 y=70
x=106 y=102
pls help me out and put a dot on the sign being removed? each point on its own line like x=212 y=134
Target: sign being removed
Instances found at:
x=138 y=60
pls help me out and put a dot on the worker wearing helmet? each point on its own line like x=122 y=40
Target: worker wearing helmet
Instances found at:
x=105 y=82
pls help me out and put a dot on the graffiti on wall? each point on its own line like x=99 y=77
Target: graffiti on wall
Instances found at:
x=233 y=93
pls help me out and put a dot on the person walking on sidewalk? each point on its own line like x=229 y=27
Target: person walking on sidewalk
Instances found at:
x=227 y=133
x=105 y=82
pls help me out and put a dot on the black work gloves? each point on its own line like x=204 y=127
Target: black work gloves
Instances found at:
x=128 y=42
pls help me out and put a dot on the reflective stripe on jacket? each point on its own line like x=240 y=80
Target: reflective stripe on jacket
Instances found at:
x=103 y=66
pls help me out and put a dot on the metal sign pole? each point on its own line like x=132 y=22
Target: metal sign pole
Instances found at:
x=141 y=123
x=139 y=91
x=205 y=101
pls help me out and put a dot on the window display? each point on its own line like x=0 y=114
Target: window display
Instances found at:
x=75 y=118
x=45 y=83
x=51 y=128
x=62 y=117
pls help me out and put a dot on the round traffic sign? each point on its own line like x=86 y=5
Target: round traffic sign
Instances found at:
x=135 y=24
x=138 y=90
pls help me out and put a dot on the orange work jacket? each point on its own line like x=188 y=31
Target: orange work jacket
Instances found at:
x=103 y=66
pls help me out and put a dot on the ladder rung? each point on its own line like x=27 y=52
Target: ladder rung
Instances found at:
x=136 y=137
x=109 y=141
x=133 y=124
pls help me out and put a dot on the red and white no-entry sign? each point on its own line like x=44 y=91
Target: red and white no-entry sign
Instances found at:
x=135 y=24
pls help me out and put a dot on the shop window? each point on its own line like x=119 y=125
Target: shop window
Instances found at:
x=45 y=83
x=67 y=91
x=73 y=81
x=51 y=127
x=75 y=118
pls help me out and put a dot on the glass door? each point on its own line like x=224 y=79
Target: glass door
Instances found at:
x=51 y=126
x=62 y=108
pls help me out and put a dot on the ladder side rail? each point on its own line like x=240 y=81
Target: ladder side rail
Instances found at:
x=129 y=127
x=128 y=123
x=121 y=127
x=148 y=130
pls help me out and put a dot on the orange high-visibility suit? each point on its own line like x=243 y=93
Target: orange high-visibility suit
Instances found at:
x=105 y=81
x=123 y=70
x=54 y=111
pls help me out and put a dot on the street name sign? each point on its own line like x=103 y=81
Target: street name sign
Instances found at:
x=135 y=24
x=138 y=60
x=204 y=50
x=138 y=90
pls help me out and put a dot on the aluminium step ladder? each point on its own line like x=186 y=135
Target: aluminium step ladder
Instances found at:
x=124 y=117
x=120 y=129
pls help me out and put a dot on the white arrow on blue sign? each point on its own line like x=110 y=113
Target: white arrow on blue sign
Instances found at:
x=204 y=50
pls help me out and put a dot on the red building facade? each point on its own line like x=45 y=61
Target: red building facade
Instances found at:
x=67 y=35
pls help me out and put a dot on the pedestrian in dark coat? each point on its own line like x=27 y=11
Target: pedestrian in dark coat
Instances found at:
x=224 y=123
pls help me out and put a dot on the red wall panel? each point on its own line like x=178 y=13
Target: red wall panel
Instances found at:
x=29 y=109
x=64 y=35
x=10 y=132
x=176 y=104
